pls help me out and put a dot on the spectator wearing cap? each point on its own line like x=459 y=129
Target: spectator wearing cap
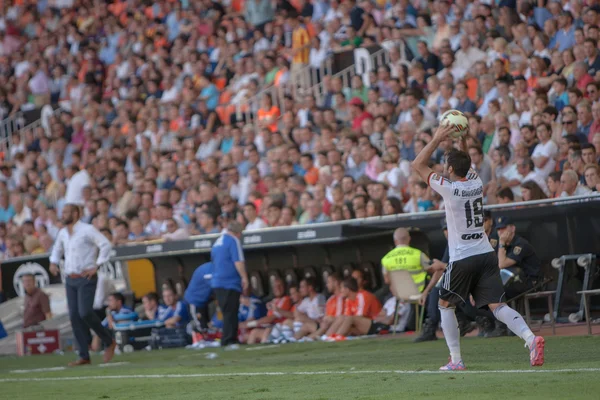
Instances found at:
x=229 y=279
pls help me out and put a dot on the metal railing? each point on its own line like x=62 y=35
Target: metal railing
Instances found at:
x=16 y=124
x=301 y=83
x=8 y=127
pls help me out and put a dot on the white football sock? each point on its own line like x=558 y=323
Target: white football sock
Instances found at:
x=451 y=332
x=515 y=322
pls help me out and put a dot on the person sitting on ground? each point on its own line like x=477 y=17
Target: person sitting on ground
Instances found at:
x=116 y=312
x=356 y=304
x=334 y=307
x=175 y=313
x=279 y=308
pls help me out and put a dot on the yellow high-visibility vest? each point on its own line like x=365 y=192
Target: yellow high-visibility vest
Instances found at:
x=409 y=259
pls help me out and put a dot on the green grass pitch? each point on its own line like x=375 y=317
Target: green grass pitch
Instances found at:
x=381 y=368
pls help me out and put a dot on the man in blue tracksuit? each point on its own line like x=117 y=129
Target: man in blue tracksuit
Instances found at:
x=229 y=278
x=198 y=293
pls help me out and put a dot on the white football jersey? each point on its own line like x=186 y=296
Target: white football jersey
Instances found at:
x=463 y=201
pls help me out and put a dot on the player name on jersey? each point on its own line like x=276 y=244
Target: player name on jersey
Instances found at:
x=468 y=193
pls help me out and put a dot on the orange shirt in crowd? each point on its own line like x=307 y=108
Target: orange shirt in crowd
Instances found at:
x=334 y=306
x=365 y=304
x=272 y=115
x=284 y=303
x=312 y=176
x=300 y=39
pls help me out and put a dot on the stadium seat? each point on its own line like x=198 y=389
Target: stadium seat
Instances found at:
x=346 y=270
x=404 y=288
x=290 y=277
x=311 y=272
x=370 y=274
x=257 y=284
x=326 y=270
x=274 y=274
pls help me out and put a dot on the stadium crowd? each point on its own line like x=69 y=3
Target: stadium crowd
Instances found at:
x=147 y=142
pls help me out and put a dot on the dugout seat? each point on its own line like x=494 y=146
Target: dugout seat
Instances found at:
x=325 y=271
x=370 y=274
x=290 y=277
x=311 y=272
x=346 y=270
x=257 y=284
x=273 y=275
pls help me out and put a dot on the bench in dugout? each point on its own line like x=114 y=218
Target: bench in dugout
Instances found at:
x=135 y=335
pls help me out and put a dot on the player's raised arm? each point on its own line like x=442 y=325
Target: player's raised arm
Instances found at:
x=421 y=162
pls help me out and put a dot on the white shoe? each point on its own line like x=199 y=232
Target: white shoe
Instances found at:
x=232 y=347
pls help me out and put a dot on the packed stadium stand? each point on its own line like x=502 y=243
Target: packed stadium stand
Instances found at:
x=167 y=119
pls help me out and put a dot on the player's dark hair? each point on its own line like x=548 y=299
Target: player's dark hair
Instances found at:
x=459 y=161
x=118 y=296
x=152 y=296
x=311 y=281
x=351 y=284
x=506 y=193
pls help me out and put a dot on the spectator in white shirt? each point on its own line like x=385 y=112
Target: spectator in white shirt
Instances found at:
x=75 y=185
x=310 y=310
x=22 y=212
x=545 y=151
x=467 y=55
x=526 y=170
x=254 y=223
x=569 y=183
x=490 y=93
x=318 y=53
x=174 y=232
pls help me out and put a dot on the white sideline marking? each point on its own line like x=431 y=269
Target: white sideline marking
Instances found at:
x=268 y=346
x=116 y=364
x=26 y=371
x=225 y=375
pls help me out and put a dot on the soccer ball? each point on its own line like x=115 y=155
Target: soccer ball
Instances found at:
x=456 y=119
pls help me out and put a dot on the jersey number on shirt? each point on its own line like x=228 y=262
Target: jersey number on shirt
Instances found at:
x=474 y=212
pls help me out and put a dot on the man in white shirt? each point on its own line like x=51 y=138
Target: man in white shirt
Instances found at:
x=254 y=223
x=545 y=151
x=22 y=212
x=526 y=170
x=490 y=93
x=75 y=185
x=569 y=183
x=468 y=55
x=310 y=310
x=85 y=249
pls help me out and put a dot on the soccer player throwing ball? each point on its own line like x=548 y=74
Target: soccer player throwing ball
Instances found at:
x=473 y=268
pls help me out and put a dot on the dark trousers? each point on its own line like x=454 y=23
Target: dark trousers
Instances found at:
x=80 y=299
x=202 y=310
x=229 y=303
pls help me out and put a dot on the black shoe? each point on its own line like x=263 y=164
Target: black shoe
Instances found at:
x=427 y=332
x=466 y=327
x=485 y=325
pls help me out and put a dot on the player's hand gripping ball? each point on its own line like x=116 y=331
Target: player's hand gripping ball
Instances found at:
x=456 y=119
